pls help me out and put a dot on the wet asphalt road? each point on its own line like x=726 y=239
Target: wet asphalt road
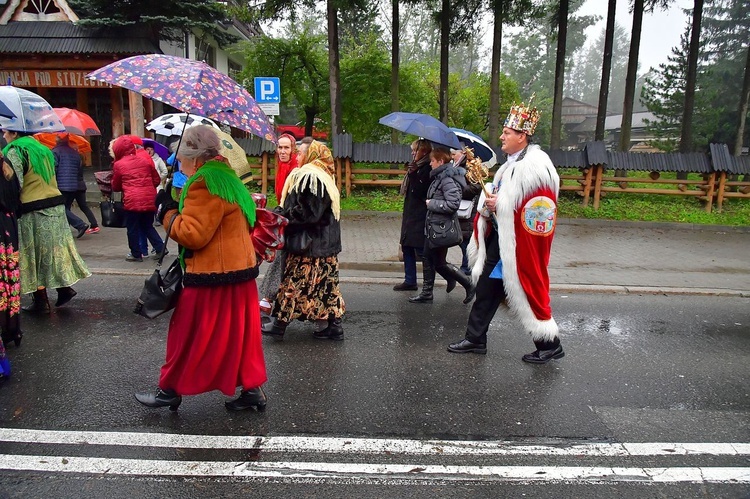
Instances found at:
x=637 y=369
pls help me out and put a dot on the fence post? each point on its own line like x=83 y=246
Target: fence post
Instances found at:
x=710 y=192
x=348 y=177
x=264 y=173
x=338 y=173
x=598 y=185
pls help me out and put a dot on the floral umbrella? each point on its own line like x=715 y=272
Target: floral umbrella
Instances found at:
x=191 y=86
x=77 y=122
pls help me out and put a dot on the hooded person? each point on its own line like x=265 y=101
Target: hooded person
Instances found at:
x=510 y=247
x=309 y=288
x=134 y=174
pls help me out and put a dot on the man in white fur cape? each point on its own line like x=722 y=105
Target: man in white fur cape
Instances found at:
x=510 y=248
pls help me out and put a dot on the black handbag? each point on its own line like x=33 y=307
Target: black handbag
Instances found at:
x=444 y=233
x=161 y=290
x=113 y=212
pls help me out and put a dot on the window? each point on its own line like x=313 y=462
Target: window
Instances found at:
x=205 y=52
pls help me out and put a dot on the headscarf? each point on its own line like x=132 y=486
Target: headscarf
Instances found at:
x=283 y=168
x=40 y=157
x=318 y=170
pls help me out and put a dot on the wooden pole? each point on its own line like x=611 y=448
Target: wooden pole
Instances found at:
x=135 y=102
x=118 y=121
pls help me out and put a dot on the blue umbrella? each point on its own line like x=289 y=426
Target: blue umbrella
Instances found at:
x=422 y=125
x=481 y=148
x=31 y=112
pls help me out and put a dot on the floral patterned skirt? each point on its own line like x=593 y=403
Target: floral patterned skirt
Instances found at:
x=309 y=289
x=10 y=285
x=49 y=257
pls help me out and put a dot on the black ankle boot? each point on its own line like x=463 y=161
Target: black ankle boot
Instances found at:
x=453 y=274
x=64 y=295
x=161 y=398
x=275 y=328
x=545 y=351
x=248 y=399
x=14 y=338
x=334 y=331
x=39 y=302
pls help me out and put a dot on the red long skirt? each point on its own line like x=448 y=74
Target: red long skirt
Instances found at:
x=214 y=341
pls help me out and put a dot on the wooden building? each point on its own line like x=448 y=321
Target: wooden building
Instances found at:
x=43 y=50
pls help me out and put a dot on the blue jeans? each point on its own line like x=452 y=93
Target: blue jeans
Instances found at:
x=142 y=223
x=410 y=263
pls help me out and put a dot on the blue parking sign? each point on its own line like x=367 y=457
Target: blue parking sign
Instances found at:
x=267 y=90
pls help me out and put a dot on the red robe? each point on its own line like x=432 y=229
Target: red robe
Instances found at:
x=526 y=212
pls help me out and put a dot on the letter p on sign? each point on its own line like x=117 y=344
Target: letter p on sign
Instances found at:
x=267 y=90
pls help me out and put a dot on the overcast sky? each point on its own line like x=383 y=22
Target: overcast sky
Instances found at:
x=661 y=29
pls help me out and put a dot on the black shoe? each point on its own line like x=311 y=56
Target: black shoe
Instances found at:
x=465 y=346
x=470 y=294
x=248 y=399
x=274 y=327
x=421 y=298
x=334 y=331
x=404 y=286
x=82 y=231
x=161 y=398
x=64 y=295
x=544 y=356
x=131 y=258
x=7 y=339
x=39 y=303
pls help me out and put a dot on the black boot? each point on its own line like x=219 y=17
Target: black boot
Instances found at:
x=64 y=295
x=545 y=351
x=248 y=399
x=451 y=273
x=334 y=331
x=428 y=282
x=39 y=303
x=275 y=328
x=161 y=398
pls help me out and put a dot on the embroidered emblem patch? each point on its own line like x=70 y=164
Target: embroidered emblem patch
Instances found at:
x=539 y=215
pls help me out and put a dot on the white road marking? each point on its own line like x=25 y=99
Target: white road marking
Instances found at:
x=335 y=445
x=367 y=472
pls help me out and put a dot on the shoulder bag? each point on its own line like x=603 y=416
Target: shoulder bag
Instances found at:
x=161 y=290
x=465 y=209
x=444 y=233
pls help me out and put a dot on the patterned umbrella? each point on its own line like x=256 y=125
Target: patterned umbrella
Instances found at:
x=173 y=124
x=31 y=112
x=236 y=156
x=191 y=86
x=77 y=122
x=481 y=148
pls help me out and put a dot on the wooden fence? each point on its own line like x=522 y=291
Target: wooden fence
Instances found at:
x=589 y=172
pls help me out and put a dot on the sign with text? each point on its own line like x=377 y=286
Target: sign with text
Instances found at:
x=55 y=78
x=269 y=109
x=267 y=90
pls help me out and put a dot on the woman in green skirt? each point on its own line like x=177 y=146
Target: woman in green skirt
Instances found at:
x=48 y=255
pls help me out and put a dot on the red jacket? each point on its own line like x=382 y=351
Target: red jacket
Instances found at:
x=135 y=175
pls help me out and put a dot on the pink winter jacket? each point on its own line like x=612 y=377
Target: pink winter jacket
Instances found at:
x=134 y=174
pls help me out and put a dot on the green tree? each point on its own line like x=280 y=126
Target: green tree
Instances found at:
x=664 y=95
x=167 y=20
x=299 y=60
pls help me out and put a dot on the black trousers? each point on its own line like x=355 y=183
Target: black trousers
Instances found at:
x=73 y=219
x=490 y=294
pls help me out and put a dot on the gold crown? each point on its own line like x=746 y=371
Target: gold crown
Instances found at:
x=523 y=118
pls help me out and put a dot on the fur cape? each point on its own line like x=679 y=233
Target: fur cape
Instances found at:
x=526 y=212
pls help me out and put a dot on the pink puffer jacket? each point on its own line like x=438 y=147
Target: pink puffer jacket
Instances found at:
x=134 y=174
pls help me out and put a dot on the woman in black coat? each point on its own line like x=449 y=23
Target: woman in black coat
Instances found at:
x=470 y=192
x=414 y=189
x=443 y=197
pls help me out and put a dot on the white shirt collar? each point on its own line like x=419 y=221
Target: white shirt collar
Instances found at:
x=512 y=158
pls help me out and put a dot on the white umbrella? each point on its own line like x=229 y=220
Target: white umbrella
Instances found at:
x=31 y=112
x=173 y=124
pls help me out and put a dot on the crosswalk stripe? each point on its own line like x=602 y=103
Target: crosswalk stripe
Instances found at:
x=369 y=445
x=292 y=471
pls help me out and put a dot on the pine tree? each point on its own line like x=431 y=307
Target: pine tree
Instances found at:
x=663 y=94
x=166 y=20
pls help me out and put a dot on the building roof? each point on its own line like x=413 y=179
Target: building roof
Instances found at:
x=62 y=37
x=614 y=122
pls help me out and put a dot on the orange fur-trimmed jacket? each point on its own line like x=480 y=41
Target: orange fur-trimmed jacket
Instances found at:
x=216 y=238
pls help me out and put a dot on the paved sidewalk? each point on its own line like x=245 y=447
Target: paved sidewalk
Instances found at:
x=587 y=255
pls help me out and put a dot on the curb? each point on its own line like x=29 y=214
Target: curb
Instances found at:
x=554 y=287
